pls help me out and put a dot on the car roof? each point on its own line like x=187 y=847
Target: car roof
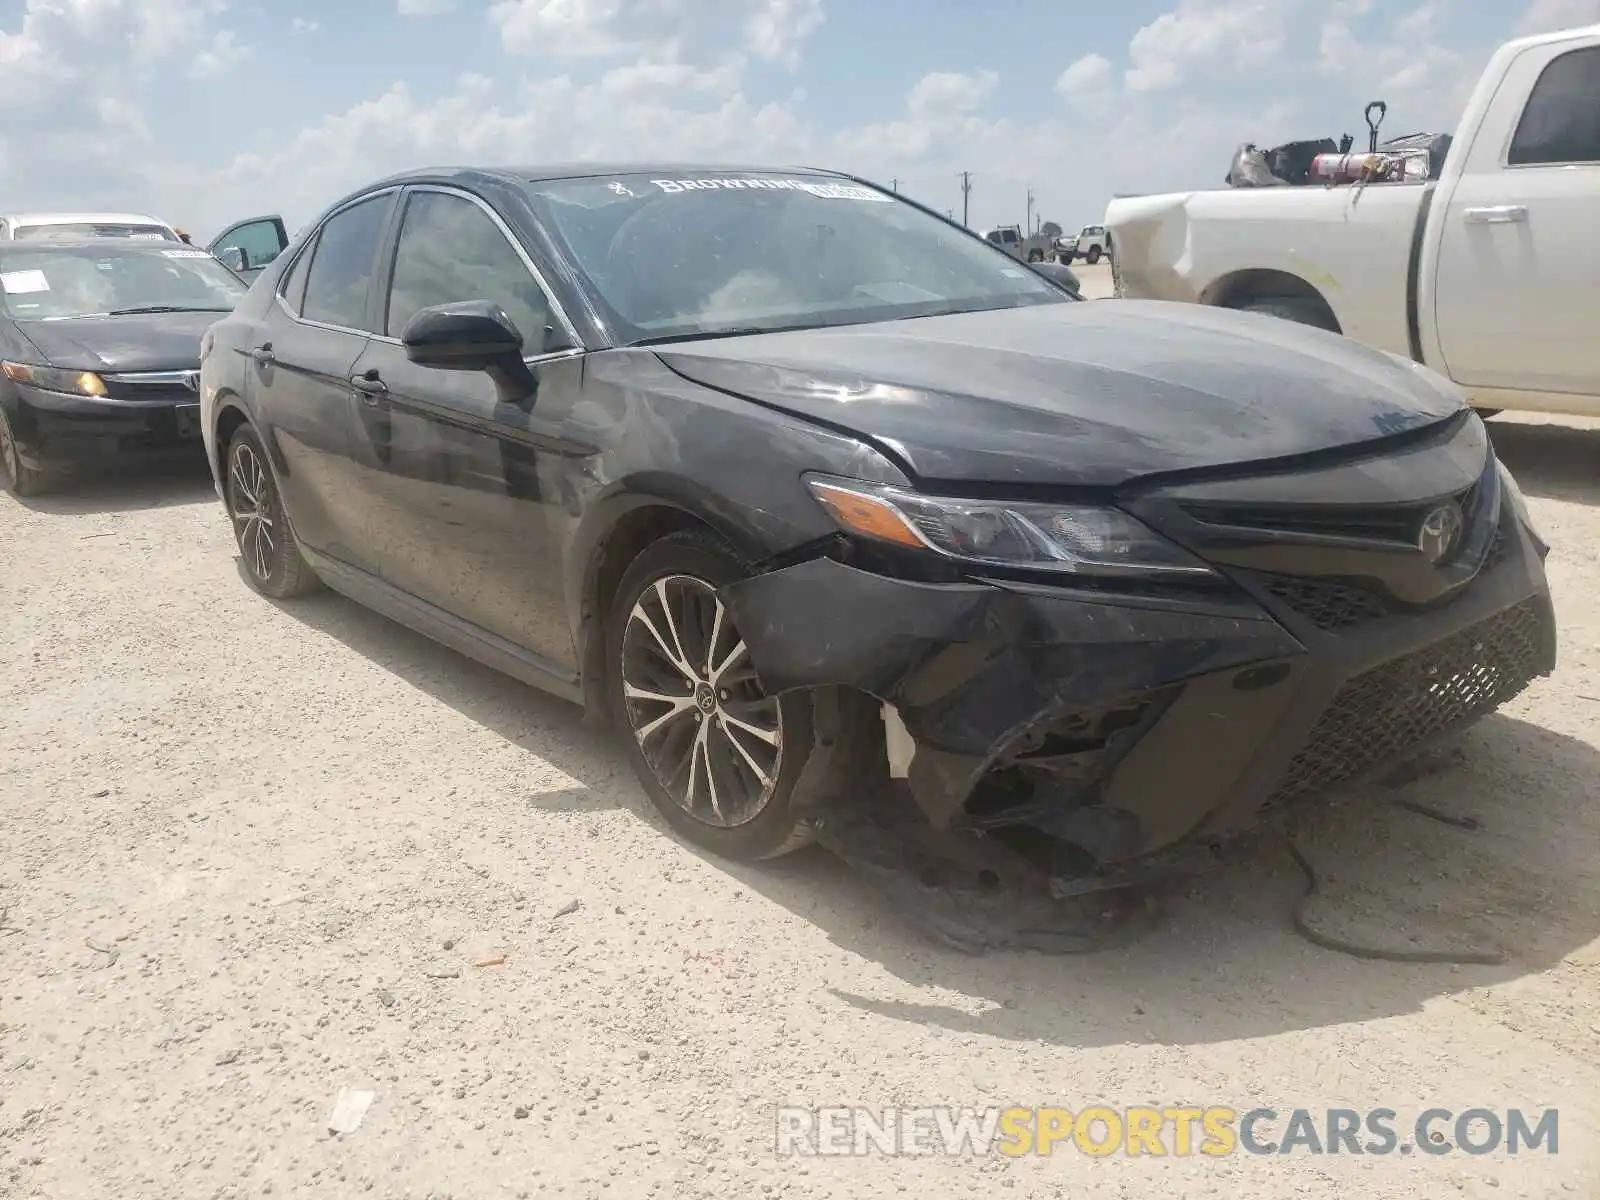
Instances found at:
x=84 y=218
x=589 y=170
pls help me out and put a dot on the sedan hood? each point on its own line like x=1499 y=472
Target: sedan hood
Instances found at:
x=1090 y=394
x=137 y=342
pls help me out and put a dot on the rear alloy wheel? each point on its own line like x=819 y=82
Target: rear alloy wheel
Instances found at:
x=717 y=755
x=16 y=476
x=267 y=545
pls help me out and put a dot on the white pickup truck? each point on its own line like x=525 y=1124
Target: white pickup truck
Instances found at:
x=1489 y=275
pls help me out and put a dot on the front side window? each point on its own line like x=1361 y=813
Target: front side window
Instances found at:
x=1561 y=123
x=682 y=257
x=342 y=264
x=258 y=240
x=450 y=250
x=42 y=282
x=293 y=288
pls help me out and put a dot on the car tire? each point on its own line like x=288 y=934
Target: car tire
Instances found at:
x=1093 y=256
x=1292 y=308
x=16 y=476
x=1035 y=256
x=705 y=776
x=267 y=545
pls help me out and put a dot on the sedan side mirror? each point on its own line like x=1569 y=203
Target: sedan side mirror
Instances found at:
x=234 y=258
x=471 y=335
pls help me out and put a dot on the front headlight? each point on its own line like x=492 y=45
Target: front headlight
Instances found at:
x=55 y=379
x=1519 y=502
x=1073 y=539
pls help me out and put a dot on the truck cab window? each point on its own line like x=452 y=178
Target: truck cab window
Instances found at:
x=1561 y=123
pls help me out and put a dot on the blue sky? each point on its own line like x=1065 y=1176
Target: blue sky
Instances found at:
x=205 y=110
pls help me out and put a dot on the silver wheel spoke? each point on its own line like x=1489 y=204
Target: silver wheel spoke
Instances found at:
x=756 y=768
x=769 y=736
x=675 y=659
x=722 y=668
x=676 y=707
x=711 y=646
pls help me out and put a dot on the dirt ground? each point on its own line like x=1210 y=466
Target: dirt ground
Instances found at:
x=250 y=854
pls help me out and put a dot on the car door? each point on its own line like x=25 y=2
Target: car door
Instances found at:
x=254 y=242
x=464 y=512
x=300 y=378
x=1514 y=297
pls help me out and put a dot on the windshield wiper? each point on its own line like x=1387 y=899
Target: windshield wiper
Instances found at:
x=743 y=331
x=162 y=308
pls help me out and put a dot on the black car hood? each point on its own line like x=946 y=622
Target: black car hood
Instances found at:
x=137 y=342
x=1091 y=394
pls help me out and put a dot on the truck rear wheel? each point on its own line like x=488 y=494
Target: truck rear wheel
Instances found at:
x=1094 y=255
x=1293 y=308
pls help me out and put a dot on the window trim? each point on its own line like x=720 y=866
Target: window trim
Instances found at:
x=532 y=268
x=1505 y=153
x=312 y=242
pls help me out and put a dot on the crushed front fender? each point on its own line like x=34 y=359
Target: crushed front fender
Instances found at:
x=978 y=671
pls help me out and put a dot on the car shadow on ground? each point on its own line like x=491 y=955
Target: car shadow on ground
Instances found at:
x=1552 y=461
x=120 y=486
x=1223 y=961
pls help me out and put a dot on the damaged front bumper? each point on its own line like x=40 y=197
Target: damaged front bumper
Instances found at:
x=1123 y=726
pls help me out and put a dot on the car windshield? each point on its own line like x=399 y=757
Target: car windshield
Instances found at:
x=44 y=282
x=141 y=233
x=753 y=251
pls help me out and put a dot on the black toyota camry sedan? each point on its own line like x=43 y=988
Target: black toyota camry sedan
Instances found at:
x=100 y=351
x=809 y=489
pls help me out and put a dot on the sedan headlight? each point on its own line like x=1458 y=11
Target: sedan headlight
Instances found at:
x=55 y=379
x=1073 y=539
x=1519 y=502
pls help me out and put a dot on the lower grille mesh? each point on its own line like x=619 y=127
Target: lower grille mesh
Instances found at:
x=1401 y=704
x=1328 y=606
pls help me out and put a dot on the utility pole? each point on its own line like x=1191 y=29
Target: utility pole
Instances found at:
x=894 y=186
x=1028 y=228
x=966 y=193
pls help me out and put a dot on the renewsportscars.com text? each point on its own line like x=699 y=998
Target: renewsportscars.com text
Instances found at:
x=1178 y=1131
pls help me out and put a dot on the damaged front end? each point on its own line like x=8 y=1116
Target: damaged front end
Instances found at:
x=1074 y=732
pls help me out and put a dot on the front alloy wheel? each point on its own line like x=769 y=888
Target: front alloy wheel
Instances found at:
x=712 y=738
x=718 y=757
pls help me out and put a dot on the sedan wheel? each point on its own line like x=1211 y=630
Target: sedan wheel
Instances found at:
x=267 y=546
x=714 y=741
x=718 y=757
x=16 y=477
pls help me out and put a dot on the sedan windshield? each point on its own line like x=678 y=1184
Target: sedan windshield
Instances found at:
x=45 y=282
x=138 y=233
x=753 y=251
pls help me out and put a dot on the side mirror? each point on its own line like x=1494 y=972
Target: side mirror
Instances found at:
x=471 y=335
x=234 y=258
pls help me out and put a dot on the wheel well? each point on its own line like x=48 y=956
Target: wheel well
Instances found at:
x=1237 y=290
x=625 y=541
x=228 y=422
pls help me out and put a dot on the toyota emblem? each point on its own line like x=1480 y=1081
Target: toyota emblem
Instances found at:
x=1440 y=529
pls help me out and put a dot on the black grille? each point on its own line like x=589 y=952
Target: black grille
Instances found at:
x=1375 y=522
x=1331 y=607
x=169 y=393
x=1401 y=704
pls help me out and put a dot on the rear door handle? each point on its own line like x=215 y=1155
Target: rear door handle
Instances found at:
x=263 y=355
x=1504 y=214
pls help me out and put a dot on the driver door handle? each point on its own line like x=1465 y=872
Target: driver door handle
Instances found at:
x=1503 y=214
x=373 y=390
x=263 y=356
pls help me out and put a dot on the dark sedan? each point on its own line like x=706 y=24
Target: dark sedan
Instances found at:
x=808 y=488
x=100 y=350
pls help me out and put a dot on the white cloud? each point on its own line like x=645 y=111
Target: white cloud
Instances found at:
x=1089 y=83
x=572 y=28
x=777 y=29
x=1548 y=16
x=949 y=94
x=300 y=26
x=220 y=57
x=425 y=8
x=1204 y=38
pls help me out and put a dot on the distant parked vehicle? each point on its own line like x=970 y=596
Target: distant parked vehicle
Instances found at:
x=1092 y=244
x=100 y=350
x=34 y=226
x=1010 y=238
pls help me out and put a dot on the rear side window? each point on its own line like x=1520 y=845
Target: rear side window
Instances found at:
x=342 y=264
x=293 y=288
x=1561 y=123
